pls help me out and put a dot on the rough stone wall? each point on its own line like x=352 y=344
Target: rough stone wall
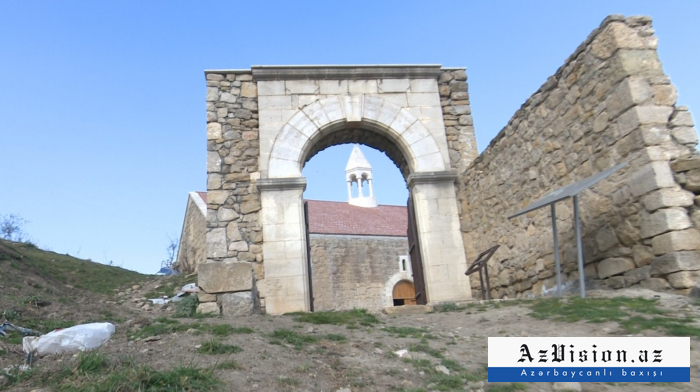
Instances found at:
x=234 y=234
x=609 y=103
x=352 y=271
x=457 y=116
x=192 y=250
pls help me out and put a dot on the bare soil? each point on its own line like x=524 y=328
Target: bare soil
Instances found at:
x=359 y=358
x=362 y=362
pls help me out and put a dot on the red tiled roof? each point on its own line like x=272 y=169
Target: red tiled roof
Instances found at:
x=333 y=217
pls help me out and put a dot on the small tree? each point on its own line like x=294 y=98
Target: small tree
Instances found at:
x=11 y=227
x=172 y=252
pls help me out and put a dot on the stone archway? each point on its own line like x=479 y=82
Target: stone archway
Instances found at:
x=416 y=150
x=422 y=158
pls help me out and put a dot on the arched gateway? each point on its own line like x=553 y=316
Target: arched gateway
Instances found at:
x=300 y=111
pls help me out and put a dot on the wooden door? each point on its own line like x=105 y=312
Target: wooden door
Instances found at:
x=405 y=291
x=414 y=252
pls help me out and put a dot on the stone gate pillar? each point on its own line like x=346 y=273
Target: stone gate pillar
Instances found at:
x=284 y=230
x=441 y=245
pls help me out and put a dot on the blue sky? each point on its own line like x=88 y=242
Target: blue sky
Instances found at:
x=102 y=110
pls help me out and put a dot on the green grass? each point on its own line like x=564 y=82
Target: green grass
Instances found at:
x=452 y=365
x=15 y=376
x=633 y=314
x=162 y=327
x=165 y=325
x=288 y=381
x=186 y=307
x=297 y=340
x=91 y=362
x=406 y=332
x=171 y=285
x=442 y=382
x=420 y=364
x=147 y=379
x=215 y=347
x=511 y=387
x=447 y=383
x=673 y=326
x=425 y=348
x=336 y=337
x=64 y=269
x=448 y=307
x=346 y=317
x=595 y=310
x=226 y=330
x=228 y=365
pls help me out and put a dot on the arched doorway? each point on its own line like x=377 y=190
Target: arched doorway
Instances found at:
x=357 y=238
x=420 y=152
x=404 y=293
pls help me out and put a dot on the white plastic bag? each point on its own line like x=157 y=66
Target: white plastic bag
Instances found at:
x=78 y=338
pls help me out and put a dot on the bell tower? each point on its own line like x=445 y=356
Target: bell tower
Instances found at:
x=360 y=171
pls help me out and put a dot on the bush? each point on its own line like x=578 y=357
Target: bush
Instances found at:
x=187 y=307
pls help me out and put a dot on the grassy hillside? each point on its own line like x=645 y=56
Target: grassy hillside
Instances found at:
x=34 y=278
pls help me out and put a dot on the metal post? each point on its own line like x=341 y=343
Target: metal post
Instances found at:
x=556 y=249
x=483 y=289
x=579 y=248
x=488 y=284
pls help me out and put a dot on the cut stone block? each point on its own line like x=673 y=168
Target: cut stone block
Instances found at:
x=692 y=180
x=214 y=131
x=686 y=163
x=225 y=277
x=685 y=135
x=663 y=221
x=614 y=266
x=237 y=304
x=674 y=241
x=616 y=282
x=206 y=297
x=637 y=275
x=642 y=255
x=667 y=197
x=655 y=284
x=683 y=279
x=676 y=261
x=652 y=176
x=216 y=243
x=695 y=291
x=209 y=308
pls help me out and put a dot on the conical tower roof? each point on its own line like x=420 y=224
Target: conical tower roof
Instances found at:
x=357 y=160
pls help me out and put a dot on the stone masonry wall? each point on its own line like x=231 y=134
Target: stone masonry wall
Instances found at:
x=234 y=234
x=609 y=103
x=352 y=271
x=457 y=115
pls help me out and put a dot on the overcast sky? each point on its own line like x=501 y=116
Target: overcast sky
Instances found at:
x=102 y=104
